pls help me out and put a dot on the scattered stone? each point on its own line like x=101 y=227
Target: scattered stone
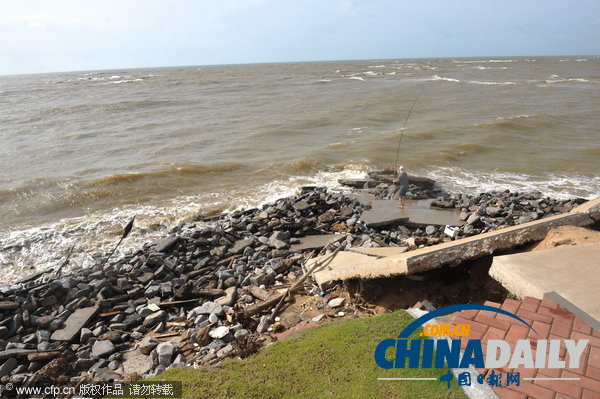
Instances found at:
x=165 y=352
x=219 y=332
x=102 y=349
x=147 y=345
x=337 y=302
x=155 y=318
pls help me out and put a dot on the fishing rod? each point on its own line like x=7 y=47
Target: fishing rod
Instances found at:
x=404 y=127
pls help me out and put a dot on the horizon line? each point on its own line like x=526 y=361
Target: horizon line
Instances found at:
x=293 y=62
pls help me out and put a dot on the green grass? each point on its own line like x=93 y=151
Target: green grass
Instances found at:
x=329 y=361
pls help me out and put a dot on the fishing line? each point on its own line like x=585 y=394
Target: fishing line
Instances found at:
x=404 y=127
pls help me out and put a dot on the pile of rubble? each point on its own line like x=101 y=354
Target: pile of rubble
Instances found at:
x=205 y=292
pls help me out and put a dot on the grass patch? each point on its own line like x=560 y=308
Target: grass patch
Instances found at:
x=334 y=360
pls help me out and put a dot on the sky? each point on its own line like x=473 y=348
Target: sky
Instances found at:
x=65 y=35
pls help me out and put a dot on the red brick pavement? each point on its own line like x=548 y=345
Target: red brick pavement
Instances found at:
x=551 y=321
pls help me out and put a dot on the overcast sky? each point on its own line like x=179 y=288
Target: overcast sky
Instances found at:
x=63 y=35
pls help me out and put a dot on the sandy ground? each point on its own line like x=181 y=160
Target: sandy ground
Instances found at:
x=567 y=235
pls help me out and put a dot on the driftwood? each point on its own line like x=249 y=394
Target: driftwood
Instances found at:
x=66 y=261
x=278 y=299
x=126 y=232
x=8 y=305
x=259 y=293
x=175 y=303
x=302 y=279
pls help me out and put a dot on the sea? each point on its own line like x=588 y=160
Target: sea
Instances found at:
x=81 y=153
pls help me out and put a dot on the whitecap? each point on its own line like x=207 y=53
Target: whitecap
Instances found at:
x=439 y=78
x=491 y=83
x=355 y=78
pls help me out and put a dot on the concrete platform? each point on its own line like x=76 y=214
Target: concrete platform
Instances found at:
x=455 y=252
x=415 y=213
x=570 y=271
x=308 y=243
x=380 y=252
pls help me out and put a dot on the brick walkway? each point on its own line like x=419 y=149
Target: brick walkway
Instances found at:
x=551 y=321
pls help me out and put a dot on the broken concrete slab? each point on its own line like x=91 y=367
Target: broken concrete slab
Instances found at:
x=570 y=271
x=358 y=183
x=308 y=243
x=74 y=324
x=591 y=208
x=380 y=252
x=451 y=253
x=343 y=260
x=415 y=213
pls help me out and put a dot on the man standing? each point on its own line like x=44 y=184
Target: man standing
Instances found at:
x=402 y=182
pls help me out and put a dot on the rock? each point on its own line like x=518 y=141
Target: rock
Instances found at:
x=83 y=364
x=208 y=308
x=318 y=318
x=102 y=349
x=8 y=366
x=155 y=318
x=219 y=332
x=112 y=336
x=229 y=298
x=327 y=217
x=164 y=245
x=134 y=363
x=152 y=291
x=337 y=302
x=430 y=230
x=44 y=321
x=301 y=205
x=240 y=245
x=493 y=211
x=84 y=335
x=474 y=218
x=278 y=240
x=263 y=325
x=147 y=345
x=42 y=336
x=165 y=352
x=241 y=334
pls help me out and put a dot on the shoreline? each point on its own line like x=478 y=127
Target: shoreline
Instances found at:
x=207 y=282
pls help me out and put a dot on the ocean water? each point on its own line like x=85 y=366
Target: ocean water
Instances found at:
x=82 y=152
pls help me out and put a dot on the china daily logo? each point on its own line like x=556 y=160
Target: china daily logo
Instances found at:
x=402 y=352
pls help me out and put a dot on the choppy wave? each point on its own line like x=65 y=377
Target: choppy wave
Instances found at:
x=25 y=251
x=436 y=78
x=491 y=83
x=555 y=185
x=570 y=80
